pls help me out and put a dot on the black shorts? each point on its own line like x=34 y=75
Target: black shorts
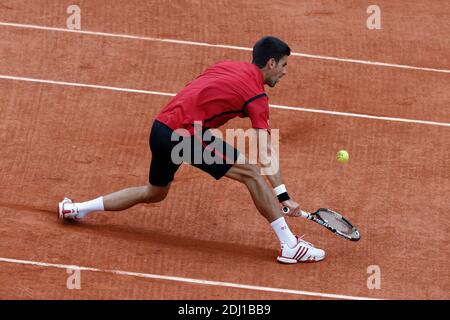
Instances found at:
x=169 y=148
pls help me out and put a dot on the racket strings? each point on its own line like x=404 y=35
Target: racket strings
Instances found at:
x=336 y=222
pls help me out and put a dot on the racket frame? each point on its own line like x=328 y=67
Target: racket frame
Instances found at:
x=315 y=216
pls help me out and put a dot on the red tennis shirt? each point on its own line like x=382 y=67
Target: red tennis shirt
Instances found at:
x=224 y=91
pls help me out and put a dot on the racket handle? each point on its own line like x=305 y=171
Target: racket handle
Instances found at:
x=303 y=213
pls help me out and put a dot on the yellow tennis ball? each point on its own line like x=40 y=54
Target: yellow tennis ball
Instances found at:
x=342 y=156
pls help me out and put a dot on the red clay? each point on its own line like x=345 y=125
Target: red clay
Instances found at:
x=395 y=187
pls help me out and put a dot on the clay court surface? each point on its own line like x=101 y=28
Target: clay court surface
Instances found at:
x=206 y=240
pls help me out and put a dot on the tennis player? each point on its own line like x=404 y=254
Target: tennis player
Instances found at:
x=224 y=91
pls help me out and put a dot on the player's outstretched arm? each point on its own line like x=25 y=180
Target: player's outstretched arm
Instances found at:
x=269 y=161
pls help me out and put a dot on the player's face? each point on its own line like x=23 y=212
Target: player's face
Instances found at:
x=277 y=71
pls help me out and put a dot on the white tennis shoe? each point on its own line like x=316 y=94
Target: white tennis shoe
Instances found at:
x=67 y=210
x=302 y=252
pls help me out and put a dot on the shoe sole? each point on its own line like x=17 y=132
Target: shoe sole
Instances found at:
x=294 y=261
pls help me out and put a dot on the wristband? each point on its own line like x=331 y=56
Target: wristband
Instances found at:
x=280 y=189
x=283 y=197
x=281 y=193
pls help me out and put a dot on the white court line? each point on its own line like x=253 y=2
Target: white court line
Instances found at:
x=82 y=85
x=158 y=93
x=366 y=116
x=187 y=280
x=204 y=44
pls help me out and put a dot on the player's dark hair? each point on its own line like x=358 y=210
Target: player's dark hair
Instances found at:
x=267 y=48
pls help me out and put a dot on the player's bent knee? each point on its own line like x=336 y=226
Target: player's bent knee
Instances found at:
x=156 y=194
x=245 y=173
x=252 y=177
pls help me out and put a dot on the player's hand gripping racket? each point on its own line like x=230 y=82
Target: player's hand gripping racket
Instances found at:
x=331 y=220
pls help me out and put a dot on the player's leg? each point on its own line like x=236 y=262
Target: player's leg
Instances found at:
x=230 y=163
x=117 y=201
x=263 y=197
x=127 y=198
x=293 y=249
x=162 y=171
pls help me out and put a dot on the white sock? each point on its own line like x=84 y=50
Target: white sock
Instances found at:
x=283 y=232
x=84 y=208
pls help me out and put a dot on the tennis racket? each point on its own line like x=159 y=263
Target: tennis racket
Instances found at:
x=333 y=221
